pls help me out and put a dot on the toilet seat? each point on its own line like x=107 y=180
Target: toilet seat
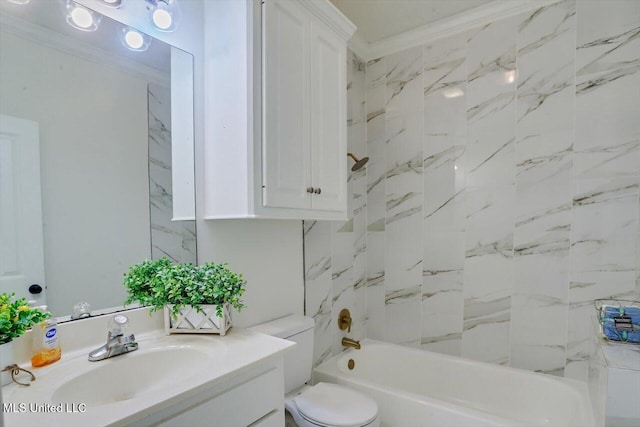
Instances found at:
x=332 y=405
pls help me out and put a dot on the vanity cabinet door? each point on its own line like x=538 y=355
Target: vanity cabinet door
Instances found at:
x=286 y=137
x=304 y=110
x=246 y=401
x=328 y=119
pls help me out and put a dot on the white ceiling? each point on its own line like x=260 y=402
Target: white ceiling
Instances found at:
x=379 y=19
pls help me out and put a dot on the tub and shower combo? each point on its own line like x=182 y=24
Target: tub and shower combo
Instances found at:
x=416 y=388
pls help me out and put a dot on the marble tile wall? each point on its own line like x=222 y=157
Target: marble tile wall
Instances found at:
x=604 y=242
x=175 y=240
x=501 y=196
x=335 y=252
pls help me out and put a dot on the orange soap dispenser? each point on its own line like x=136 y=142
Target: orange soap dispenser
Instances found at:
x=46 y=343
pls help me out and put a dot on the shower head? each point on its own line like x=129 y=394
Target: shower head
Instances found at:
x=359 y=162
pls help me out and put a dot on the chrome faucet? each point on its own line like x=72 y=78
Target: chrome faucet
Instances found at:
x=118 y=341
x=348 y=342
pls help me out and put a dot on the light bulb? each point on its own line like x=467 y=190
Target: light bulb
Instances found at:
x=165 y=15
x=112 y=3
x=134 y=39
x=81 y=17
x=162 y=18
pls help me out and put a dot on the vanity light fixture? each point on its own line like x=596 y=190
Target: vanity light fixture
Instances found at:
x=81 y=18
x=135 y=40
x=164 y=14
x=112 y=3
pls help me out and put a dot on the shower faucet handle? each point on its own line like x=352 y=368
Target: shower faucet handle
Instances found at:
x=344 y=320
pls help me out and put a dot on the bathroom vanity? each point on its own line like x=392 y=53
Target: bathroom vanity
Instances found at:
x=175 y=380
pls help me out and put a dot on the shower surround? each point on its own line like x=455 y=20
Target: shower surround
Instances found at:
x=501 y=195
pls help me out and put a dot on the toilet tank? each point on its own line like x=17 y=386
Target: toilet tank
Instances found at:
x=297 y=362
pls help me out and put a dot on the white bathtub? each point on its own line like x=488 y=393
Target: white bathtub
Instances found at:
x=419 y=388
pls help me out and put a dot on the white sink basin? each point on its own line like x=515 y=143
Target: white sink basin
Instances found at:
x=132 y=375
x=161 y=366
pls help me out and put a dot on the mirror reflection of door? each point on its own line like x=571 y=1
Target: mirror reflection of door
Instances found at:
x=21 y=243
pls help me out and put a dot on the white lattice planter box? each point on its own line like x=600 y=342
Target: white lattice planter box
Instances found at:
x=190 y=321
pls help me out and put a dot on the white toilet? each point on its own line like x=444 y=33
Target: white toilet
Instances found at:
x=324 y=404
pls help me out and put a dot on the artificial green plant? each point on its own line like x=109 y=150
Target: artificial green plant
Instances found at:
x=160 y=284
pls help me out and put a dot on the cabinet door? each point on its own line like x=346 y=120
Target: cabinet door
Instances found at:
x=328 y=119
x=286 y=138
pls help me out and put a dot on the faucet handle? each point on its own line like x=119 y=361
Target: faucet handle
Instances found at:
x=344 y=320
x=118 y=325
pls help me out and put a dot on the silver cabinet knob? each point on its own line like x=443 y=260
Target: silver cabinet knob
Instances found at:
x=317 y=191
x=310 y=190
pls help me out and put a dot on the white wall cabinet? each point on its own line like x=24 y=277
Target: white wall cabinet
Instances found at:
x=276 y=99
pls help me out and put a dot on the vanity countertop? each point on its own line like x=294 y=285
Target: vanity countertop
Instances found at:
x=219 y=359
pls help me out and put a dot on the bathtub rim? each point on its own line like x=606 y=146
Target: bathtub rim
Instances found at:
x=330 y=368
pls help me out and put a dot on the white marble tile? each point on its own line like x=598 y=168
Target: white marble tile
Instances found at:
x=547 y=358
x=403 y=253
x=404 y=82
x=376 y=313
x=375 y=257
x=356 y=90
x=345 y=298
x=404 y=153
x=442 y=311
x=607 y=88
x=605 y=223
x=578 y=341
x=490 y=153
x=318 y=304
x=342 y=250
x=488 y=282
x=545 y=59
x=359 y=314
x=445 y=130
x=445 y=65
x=317 y=253
x=402 y=316
x=376 y=194
x=543 y=209
x=489 y=221
x=376 y=99
x=491 y=109
x=444 y=191
x=542 y=279
x=169 y=239
x=487 y=339
x=451 y=345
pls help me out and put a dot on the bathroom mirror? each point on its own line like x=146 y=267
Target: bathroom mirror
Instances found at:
x=96 y=156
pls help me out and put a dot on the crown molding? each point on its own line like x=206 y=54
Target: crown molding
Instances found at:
x=331 y=16
x=72 y=46
x=442 y=28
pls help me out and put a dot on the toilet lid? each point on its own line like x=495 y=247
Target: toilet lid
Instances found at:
x=335 y=405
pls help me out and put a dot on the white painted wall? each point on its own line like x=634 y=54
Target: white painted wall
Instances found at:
x=93 y=164
x=267 y=252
